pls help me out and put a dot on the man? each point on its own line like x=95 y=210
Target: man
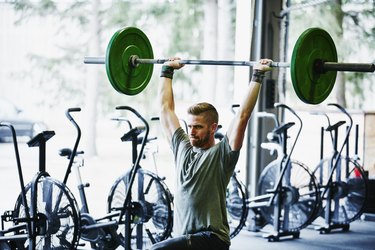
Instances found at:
x=203 y=168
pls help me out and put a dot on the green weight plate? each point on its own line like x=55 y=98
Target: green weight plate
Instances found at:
x=125 y=78
x=311 y=86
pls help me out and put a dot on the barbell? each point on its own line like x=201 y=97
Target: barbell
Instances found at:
x=129 y=63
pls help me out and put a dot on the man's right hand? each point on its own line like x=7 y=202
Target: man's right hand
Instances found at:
x=263 y=65
x=174 y=62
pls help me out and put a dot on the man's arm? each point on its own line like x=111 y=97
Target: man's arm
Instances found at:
x=236 y=130
x=168 y=117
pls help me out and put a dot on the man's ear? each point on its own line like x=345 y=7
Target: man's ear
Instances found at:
x=214 y=127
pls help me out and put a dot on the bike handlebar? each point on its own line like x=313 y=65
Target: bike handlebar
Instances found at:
x=19 y=168
x=68 y=111
x=139 y=155
x=343 y=110
x=233 y=107
x=74 y=109
x=281 y=105
x=147 y=127
x=284 y=106
x=78 y=138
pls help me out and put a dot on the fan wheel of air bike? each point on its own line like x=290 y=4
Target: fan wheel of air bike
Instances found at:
x=57 y=211
x=237 y=209
x=300 y=196
x=349 y=190
x=152 y=214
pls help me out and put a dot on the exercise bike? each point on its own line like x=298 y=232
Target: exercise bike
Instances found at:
x=45 y=215
x=150 y=217
x=288 y=194
x=99 y=232
x=342 y=182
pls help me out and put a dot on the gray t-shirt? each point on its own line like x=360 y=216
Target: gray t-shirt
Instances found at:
x=201 y=180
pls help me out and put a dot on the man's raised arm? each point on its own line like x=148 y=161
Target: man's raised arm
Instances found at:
x=168 y=117
x=236 y=130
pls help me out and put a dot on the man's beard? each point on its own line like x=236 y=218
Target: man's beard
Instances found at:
x=200 y=142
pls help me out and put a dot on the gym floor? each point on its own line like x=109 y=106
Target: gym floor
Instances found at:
x=361 y=235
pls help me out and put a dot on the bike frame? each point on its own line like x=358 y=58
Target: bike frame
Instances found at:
x=36 y=223
x=274 y=196
x=73 y=166
x=335 y=167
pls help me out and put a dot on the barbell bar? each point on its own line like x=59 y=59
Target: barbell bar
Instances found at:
x=323 y=67
x=135 y=61
x=129 y=63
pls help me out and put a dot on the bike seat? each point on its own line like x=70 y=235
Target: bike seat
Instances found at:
x=41 y=137
x=279 y=130
x=335 y=126
x=133 y=133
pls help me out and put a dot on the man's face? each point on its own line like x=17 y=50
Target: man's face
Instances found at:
x=200 y=132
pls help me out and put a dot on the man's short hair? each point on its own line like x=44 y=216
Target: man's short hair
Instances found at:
x=206 y=109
